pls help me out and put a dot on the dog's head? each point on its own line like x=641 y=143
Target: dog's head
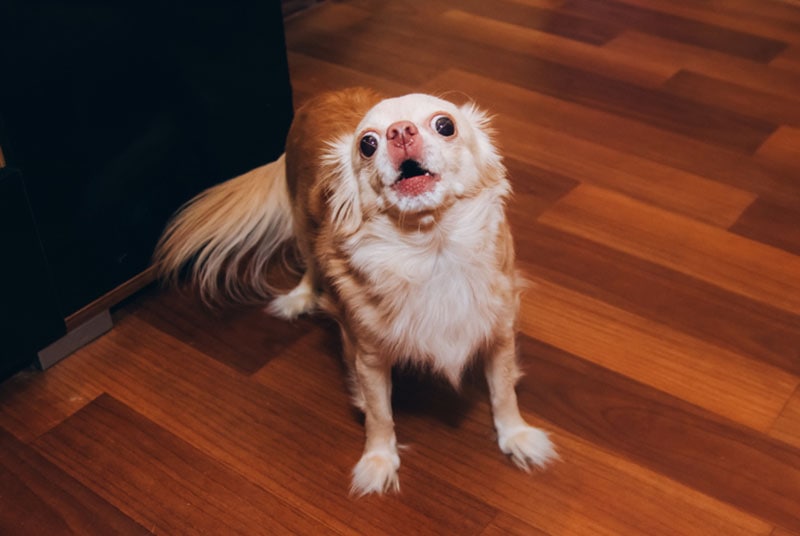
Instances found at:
x=414 y=154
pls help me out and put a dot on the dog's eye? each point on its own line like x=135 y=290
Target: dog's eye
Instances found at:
x=368 y=145
x=444 y=125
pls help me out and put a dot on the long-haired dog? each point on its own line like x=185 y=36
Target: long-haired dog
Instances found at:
x=397 y=208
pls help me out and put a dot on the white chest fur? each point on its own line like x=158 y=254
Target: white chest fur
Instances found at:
x=436 y=296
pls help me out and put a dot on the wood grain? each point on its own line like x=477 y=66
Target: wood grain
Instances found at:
x=684 y=30
x=767 y=21
x=787 y=425
x=771 y=223
x=484 y=29
x=183 y=316
x=551 y=21
x=31 y=404
x=736 y=465
x=663 y=296
x=125 y=457
x=708 y=62
x=731 y=96
x=783 y=149
x=259 y=432
x=326 y=76
x=678 y=191
x=628 y=137
x=788 y=59
x=720 y=258
x=725 y=383
x=653 y=150
x=40 y=498
x=506 y=524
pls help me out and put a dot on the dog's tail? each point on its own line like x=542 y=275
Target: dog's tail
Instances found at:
x=227 y=235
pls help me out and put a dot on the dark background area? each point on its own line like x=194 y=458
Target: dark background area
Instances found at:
x=115 y=114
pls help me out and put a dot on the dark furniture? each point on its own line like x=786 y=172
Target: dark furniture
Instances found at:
x=114 y=114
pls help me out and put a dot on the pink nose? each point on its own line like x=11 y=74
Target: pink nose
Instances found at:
x=404 y=142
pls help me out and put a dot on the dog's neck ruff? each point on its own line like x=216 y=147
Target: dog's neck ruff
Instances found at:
x=434 y=294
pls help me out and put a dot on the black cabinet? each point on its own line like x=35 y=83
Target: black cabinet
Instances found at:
x=116 y=113
x=29 y=317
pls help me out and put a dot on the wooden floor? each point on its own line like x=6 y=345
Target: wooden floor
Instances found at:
x=654 y=148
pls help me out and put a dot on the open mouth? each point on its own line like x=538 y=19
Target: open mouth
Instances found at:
x=414 y=179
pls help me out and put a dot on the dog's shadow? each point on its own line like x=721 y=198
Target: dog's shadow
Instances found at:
x=424 y=395
x=416 y=393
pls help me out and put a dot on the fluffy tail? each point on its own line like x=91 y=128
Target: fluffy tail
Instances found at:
x=227 y=234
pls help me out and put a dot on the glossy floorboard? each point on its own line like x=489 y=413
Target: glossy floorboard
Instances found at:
x=654 y=149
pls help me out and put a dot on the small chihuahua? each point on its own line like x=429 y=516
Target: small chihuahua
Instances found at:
x=397 y=208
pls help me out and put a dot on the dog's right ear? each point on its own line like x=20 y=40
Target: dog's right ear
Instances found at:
x=342 y=189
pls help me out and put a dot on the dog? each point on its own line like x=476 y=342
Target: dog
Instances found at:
x=397 y=209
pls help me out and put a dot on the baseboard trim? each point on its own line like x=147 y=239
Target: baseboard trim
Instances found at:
x=75 y=339
x=111 y=298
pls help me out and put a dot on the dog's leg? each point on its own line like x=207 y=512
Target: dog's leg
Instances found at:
x=301 y=299
x=522 y=442
x=376 y=472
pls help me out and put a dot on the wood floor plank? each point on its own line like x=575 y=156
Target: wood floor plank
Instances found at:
x=331 y=17
x=663 y=186
x=741 y=389
x=676 y=114
x=771 y=223
x=709 y=123
x=685 y=30
x=789 y=59
x=620 y=134
x=787 y=425
x=756 y=18
x=572 y=496
x=713 y=255
x=767 y=106
x=783 y=148
x=535 y=188
x=450 y=432
x=521 y=39
x=271 y=439
x=124 y=456
x=782 y=9
x=547 y=4
x=183 y=316
x=39 y=498
x=521 y=135
x=783 y=532
x=663 y=296
x=749 y=471
x=325 y=76
x=505 y=524
x=33 y=402
x=545 y=20
x=746 y=73
x=383 y=59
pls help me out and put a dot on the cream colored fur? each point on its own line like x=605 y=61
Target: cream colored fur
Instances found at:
x=230 y=232
x=423 y=278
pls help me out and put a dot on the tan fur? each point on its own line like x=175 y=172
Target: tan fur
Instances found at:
x=426 y=280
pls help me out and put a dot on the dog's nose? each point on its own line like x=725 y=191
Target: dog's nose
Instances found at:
x=404 y=141
x=402 y=132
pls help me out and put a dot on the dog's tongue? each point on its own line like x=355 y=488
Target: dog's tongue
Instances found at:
x=414 y=186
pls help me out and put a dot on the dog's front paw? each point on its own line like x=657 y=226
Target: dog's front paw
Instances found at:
x=527 y=445
x=376 y=472
x=291 y=305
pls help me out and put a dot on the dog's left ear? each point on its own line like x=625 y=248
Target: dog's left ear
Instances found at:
x=342 y=190
x=481 y=123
